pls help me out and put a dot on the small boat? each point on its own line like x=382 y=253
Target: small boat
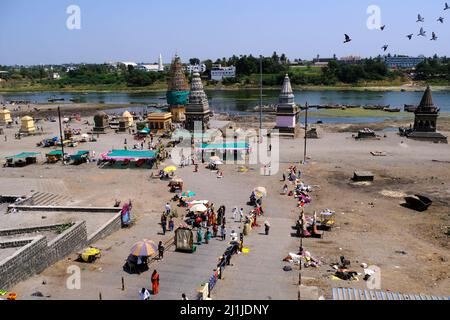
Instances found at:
x=55 y=99
x=20 y=101
x=418 y=202
x=77 y=100
x=392 y=109
x=376 y=107
x=352 y=106
x=265 y=108
x=330 y=106
x=410 y=108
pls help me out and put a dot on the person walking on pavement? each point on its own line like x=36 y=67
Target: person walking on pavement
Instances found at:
x=144 y=294
x=215 y=230
x=207 y=236
x=168 y=208
x=267 y=227
x=223 y=232
x=199 y=236
x=234 y=211
x=171 y=225
x=161 y=250
x=164 y=227
x=241 y=214
x=155 y=282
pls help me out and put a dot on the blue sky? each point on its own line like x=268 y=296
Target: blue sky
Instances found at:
x=35 y=32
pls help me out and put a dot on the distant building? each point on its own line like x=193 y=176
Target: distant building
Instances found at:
x=3 y=75
x=195 y=68
x=351 y=60
x=403 y=62
x=322 y=62
x=218 y=72
x=148 y=67
x=71 y=68
x=153 y=67
x=54 y=76
x=127 y=64
x=297 y=62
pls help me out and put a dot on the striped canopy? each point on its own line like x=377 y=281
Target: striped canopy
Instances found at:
x=199 y=208
x=144 y=248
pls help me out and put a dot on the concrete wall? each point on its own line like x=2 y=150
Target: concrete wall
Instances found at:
x=62 y=208
x=114 y=224
x=73 y=239
x=35 y=254
x=15 y=231
x=26 y=261
x=13 y=198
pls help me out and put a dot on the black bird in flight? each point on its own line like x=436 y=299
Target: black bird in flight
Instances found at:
x=410 y=36
x=420 y=18
x=347 y=38
x=433 y=37
x=422 y=32
x=382 y=27
x=385 y=47
x=447 y=7
x=441 y=20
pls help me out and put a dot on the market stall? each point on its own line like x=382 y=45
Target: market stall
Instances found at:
x=126 y=157
x=22 y=159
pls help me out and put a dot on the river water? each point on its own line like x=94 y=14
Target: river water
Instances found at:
x=240 y=101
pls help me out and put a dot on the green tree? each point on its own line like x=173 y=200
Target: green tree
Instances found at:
x=194 y=61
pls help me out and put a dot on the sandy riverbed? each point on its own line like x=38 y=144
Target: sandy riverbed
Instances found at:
x=371 y=226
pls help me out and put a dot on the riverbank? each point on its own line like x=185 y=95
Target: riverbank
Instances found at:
x=162 y=87
x=356 y=118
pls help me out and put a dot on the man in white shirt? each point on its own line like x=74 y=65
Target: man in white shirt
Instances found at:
x=144 y=294
x=235 y=210
x=168 y=208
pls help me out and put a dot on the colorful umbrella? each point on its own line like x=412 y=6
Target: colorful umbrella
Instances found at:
x=188 y=194
x=170 y=169
x=260 y=192
x=199 y=208
x=193 y=203
x=144 y=248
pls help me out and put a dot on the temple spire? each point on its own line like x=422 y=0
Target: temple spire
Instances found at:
x=197 y=109
x=286 y=94
x=427 y=99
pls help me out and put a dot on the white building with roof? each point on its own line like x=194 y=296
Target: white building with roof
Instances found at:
x=153 y=67
x=218 y=72
x=193 y=68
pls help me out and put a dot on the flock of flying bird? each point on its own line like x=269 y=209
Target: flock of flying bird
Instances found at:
x=422 y=32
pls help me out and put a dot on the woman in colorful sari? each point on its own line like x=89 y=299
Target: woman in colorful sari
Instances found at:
x=155 y=282
x=125 y=214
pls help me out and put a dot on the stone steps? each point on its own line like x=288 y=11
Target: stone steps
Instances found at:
x=50 y=199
